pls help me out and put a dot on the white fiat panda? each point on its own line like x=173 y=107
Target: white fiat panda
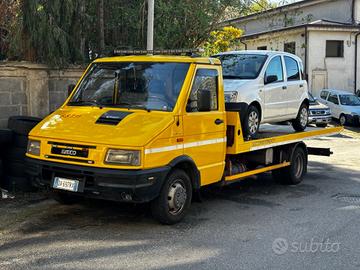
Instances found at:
x=265 y=87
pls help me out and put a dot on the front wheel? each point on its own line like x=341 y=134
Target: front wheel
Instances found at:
x=342 y=120
x=252 y=122
x=174 y=199
x=302 y=119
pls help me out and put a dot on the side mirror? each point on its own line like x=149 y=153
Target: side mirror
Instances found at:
x=70 y=88
x=204 y=100
x=271 y=79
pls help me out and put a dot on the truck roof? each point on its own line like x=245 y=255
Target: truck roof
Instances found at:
x=160 y=58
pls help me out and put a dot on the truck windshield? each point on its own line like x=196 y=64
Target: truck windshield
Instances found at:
x=137 y=85
x=349 y=100
x=242 y=66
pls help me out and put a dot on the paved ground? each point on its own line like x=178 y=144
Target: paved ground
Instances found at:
x=256 y=224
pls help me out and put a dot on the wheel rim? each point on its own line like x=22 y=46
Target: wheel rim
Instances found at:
x=342 y=120
x=253 y=122
x=304 y=115
x=177 y=197
x=299 y=166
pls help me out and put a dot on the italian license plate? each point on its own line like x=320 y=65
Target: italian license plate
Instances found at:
x=66 y=184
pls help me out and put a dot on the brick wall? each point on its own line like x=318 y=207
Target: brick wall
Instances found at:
x=33 y=89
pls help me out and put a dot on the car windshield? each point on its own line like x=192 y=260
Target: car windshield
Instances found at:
x=313 y=100
x=242 y=66
x=137 y=85
x=349 y=100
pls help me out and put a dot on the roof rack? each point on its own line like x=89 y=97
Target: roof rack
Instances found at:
x=184 y=52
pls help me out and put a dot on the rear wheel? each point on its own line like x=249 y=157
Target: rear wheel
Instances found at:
x=252 y=122
x=174 y=199
x=302 y=119
x=293 y=174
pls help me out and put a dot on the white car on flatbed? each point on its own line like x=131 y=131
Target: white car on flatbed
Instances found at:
x=265 y=87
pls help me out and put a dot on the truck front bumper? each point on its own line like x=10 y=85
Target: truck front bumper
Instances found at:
x=109 y=184
x=320 y=119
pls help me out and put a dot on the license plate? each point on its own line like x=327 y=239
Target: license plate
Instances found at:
x=66 y=184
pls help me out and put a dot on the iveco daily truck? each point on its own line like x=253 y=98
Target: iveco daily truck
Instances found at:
x=155 y=128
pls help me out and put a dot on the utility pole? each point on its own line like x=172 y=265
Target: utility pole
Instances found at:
x=150 y=26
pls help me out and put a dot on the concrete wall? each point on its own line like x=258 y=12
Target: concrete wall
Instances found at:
x=32 y=89
x=339 y=71
x=335 y=10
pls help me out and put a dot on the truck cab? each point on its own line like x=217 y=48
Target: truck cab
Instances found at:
x=152 y=128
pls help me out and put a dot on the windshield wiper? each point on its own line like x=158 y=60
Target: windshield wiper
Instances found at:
x=85 y=103
x=131 y=106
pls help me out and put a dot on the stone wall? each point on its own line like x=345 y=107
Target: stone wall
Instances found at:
x=33 y=89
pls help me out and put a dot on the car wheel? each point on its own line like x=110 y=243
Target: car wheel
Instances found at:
x=252 y=122
x=302 y=119
x=342 y=120
x=174 y=200
x=293 y=174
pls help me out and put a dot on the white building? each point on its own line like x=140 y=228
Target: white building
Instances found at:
x=324 y=33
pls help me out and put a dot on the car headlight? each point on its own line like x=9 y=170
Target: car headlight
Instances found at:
x=231 y=96
x=327 y=111
x=33 y=147
x=123 y=157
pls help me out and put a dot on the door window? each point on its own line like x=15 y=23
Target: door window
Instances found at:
x=205 y=79
x=275 y=68
x=333 y=99
x=292 y=69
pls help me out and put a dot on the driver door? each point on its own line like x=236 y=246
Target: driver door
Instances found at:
x=205 y=131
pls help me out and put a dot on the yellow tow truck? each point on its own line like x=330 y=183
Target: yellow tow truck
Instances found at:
x=155 y=128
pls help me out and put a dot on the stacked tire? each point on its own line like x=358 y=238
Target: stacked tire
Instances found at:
x=5 y=141
x=14 y=159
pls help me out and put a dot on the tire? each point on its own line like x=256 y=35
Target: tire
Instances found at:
x=251 y=122
x=165 y=208
x=15 y=154
x=16 y=169
x=16 y=184
x=6 y=136
x=293 y=174
x=65 y=198
x=302 y=119
x=22 y=125
x=342 y=119
x=322 y=125
x=20 y=141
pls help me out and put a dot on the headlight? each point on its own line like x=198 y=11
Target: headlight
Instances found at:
x=33 y=148
x=327 y=111
x=231 y=96
x=124 y=157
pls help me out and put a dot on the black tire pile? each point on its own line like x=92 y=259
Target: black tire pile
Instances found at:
x=13 y=143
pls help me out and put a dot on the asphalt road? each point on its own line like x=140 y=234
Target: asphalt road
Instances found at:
x=256 y=224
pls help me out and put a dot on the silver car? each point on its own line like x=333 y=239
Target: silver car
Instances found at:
x=319 y=114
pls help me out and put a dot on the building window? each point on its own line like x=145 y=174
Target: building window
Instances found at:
x=262 y=48
x=334 y=48
x=290 y=47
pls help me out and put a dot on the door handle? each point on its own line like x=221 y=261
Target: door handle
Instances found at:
x=284 y=87
x=219 y=121
x=301 y=85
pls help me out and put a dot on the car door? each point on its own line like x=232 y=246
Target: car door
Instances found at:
x=275 y=103
x=295 y=86
x=333 y=103
x=205 y=131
